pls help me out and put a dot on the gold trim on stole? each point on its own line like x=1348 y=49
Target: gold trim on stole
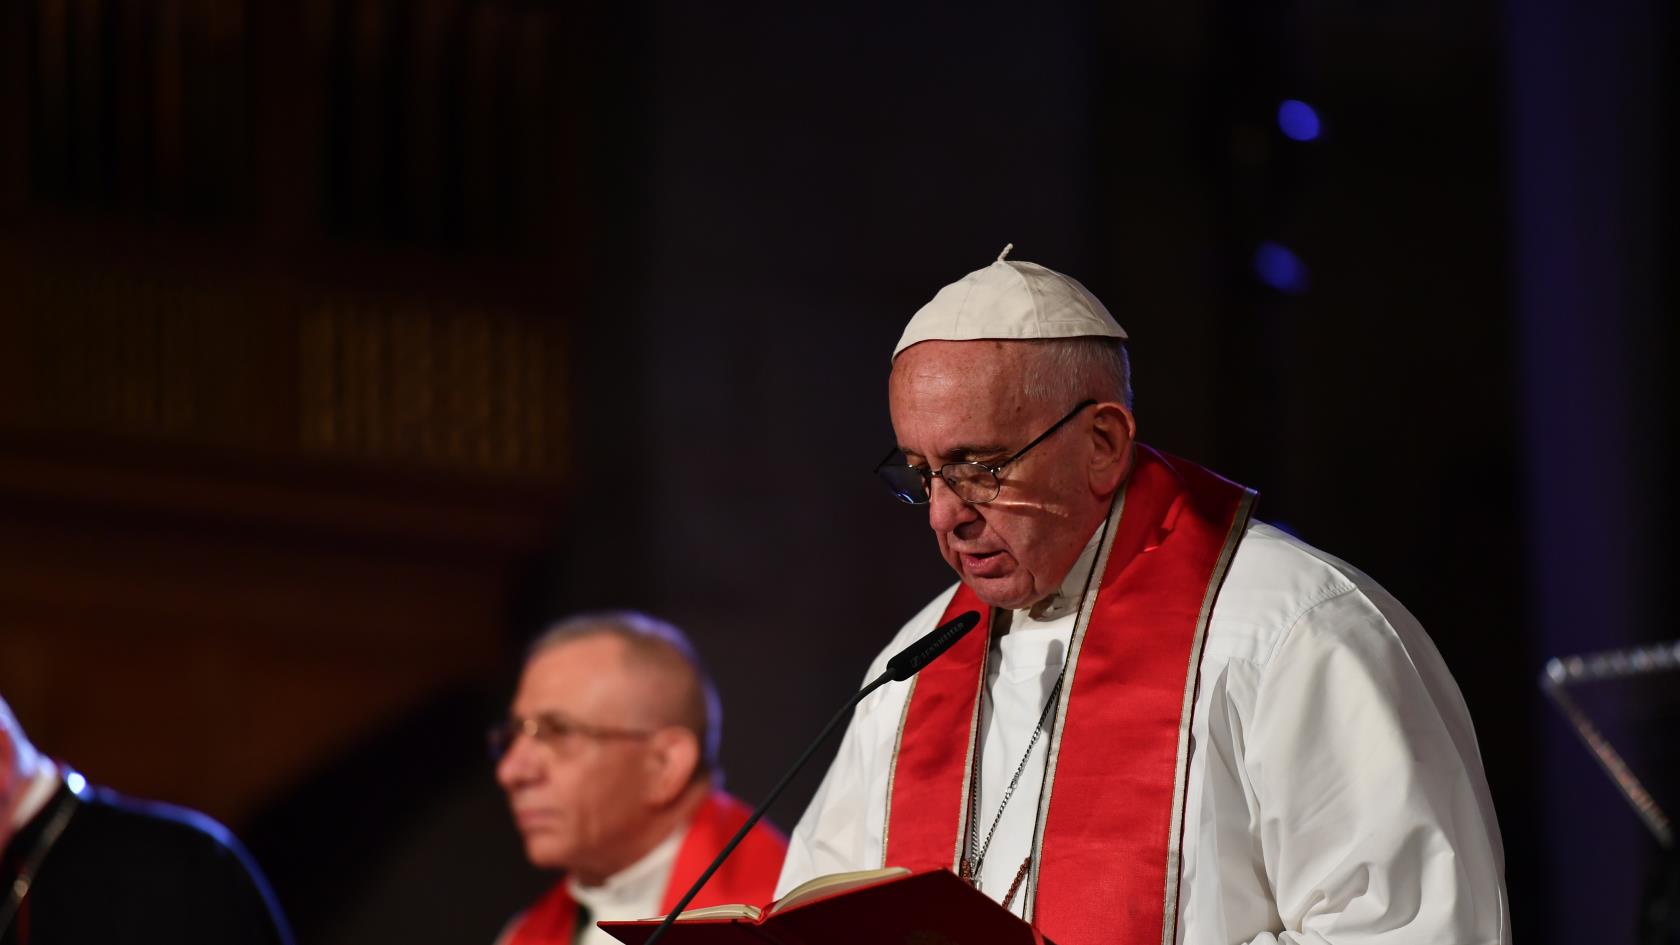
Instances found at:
x=1192 y=682
x=1087 y=603
x=968 y=761
x=892 y=767
x=973 y=742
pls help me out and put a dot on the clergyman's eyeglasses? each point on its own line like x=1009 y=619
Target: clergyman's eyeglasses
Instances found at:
x=557 y=732
x=975 y=483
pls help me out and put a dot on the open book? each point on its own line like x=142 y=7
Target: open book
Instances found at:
x=886 y=905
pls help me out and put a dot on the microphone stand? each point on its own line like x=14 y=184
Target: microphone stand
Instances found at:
x=902 y=666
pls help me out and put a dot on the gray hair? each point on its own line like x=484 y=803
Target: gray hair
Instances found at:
x=659 y=645
x=1068 y=370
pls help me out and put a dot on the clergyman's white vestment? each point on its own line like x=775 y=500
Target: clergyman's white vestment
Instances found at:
x=1335 y=790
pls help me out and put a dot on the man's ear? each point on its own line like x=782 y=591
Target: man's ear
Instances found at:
x=673 y=755
x=1113 y=432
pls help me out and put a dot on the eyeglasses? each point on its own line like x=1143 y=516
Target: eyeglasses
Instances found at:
x=557 y=732
x=974 y=483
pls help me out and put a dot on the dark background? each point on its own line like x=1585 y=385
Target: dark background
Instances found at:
x=344 y=342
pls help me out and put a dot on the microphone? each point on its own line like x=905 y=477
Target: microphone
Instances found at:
x=914 y=657
x=906 y=663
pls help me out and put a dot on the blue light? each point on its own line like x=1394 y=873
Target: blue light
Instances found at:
x=1279 y=268
x=1297 y=120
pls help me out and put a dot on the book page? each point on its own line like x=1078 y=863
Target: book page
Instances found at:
x=733 y=910
x=832 y=884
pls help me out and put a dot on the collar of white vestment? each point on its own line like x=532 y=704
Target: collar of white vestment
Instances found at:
x=633 y=892
x=1072 y=590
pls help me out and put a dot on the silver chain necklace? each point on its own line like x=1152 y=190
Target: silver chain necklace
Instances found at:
x=971 y=866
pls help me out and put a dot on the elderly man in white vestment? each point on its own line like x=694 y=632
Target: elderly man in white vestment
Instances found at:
x=1176 y=723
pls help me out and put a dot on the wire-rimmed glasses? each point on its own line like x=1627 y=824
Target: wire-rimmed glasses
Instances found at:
x=554 y=731
x=975 y=483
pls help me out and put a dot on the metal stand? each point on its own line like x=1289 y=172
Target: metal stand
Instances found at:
x=1659 y=919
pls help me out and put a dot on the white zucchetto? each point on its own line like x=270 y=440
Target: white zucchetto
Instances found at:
x=1010 y=300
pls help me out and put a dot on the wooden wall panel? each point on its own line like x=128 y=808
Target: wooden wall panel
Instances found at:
x=212 y=642
x=286 y=305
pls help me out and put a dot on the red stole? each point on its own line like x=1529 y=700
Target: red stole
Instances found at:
x=749 y=875
x=1111 y=814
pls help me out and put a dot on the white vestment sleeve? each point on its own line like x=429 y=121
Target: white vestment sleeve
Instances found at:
x=1345 y=800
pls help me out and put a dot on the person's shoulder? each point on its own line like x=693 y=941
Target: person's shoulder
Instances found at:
x=155 y=821
x=1276 y=580
x=168 y=838
x=1269 y=552
x=170 y=864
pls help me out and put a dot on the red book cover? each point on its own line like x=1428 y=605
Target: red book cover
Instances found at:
x=933 y=907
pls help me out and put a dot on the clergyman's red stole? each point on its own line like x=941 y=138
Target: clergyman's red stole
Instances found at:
x=748 y=876
x=1107 y=850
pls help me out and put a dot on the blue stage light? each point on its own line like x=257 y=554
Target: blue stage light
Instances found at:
x=1278 y=267
x=1297 y=120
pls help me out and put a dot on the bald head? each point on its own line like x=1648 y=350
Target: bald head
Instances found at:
x=615 y=734
x=666 y=684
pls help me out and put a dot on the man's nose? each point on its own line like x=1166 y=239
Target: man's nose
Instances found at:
x=518 y=765
x=945 y=510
